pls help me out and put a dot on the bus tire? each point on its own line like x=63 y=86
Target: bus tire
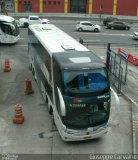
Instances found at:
x=31 y=68
x=33 y=71
x=50 y=110
x=46 y=99
x=53 y=120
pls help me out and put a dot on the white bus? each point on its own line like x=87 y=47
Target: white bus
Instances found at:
x=9 y=30
x=74 y=82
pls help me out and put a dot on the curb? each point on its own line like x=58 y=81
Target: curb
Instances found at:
x=132 y=119
x=77 y=16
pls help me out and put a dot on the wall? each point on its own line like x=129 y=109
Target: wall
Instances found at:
x=102 y=6
x=53 y=6
x=116 y=7
x=127 y=8
x=28 y=5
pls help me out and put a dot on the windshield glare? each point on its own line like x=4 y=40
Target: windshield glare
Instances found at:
x=86 y=81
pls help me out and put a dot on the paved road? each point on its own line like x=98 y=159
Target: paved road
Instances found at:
x=105 y=36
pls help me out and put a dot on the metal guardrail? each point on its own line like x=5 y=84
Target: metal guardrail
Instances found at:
x=116 y=45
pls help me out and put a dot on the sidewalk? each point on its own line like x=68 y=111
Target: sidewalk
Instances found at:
x=77 y=16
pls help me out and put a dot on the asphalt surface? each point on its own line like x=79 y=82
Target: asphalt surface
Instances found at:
x=130 y=91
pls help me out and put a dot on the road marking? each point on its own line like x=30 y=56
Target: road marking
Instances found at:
x=131 y=35
x=92 y=40
x=106 y=34
x=103 y=57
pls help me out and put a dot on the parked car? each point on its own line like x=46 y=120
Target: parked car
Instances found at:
x=45 y=21
x=32 y=19
x=118 y=25
x=87 y=26
x=135 y=35
x=109 y=19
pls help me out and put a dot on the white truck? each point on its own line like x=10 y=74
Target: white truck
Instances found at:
x=32 y=19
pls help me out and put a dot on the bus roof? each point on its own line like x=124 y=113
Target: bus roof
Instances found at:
x=79 y=60
x=54 y=39
x=6 y=18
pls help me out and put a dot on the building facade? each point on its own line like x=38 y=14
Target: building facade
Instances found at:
x=111 y=7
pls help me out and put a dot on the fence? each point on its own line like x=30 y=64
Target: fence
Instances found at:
x=133 y=46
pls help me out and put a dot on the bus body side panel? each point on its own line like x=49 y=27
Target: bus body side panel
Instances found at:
x=56 y=79
x=1 y=36
x=39 y=73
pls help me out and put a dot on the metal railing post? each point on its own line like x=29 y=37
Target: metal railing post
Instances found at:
x=108 y=56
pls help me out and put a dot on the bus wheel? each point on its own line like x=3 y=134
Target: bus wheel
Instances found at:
x=33 y=71
x=50 y=110
x=31 y=67
x=46 y=99
x=53 y=120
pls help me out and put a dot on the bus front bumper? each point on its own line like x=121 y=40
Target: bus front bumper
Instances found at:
x=75 y=135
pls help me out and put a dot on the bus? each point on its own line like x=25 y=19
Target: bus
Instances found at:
x=9 y=30
x=74 y=82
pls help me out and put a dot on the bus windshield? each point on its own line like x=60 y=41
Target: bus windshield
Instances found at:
x=85 y=81
x=86 y=110
x=10 y=28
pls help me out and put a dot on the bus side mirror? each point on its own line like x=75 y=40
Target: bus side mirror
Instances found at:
x=62 y=103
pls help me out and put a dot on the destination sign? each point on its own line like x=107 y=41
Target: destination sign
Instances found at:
x=77 y=105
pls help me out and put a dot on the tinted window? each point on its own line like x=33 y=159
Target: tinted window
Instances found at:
x=87 y=24
x=34 y=18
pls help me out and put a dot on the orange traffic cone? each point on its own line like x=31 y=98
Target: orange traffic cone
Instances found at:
x=18 y=118
x=28 y=87
x=7 y=67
